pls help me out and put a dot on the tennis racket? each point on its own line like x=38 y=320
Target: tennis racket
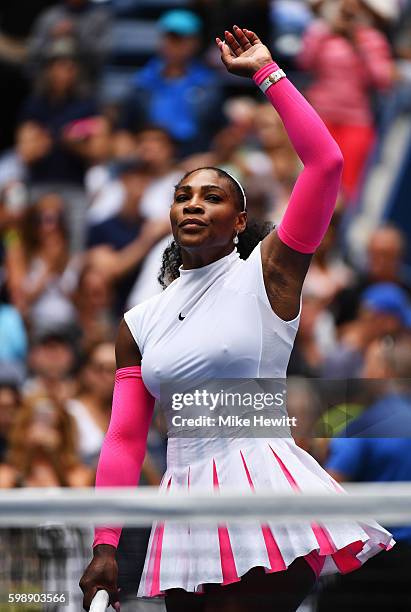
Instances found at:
x=100 y=601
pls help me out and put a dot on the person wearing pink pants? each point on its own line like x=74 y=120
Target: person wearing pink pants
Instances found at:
x=349 y=59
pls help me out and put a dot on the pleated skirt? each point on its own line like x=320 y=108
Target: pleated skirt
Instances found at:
x=190 y=555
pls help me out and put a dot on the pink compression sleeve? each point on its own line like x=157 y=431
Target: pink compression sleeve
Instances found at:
x=312 y=201
x=124 y=445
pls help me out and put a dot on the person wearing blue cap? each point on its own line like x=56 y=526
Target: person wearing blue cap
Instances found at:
x=175 y=90
x=385 y=311
x=385 y=262
x=389 y=299
x=181 y=22
x=376 y=447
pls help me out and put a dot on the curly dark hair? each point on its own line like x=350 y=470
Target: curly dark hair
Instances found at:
x=254 y=232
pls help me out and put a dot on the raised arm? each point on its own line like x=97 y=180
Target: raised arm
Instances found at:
x=121 y=458
x=286 y=252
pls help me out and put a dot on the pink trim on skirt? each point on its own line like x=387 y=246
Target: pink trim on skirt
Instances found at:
x=346 y=558
x=228 y=567
x=154 y=563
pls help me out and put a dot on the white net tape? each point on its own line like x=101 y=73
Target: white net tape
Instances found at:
x=389 y=503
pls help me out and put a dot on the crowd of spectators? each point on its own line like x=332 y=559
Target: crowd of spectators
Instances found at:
x=86 y=181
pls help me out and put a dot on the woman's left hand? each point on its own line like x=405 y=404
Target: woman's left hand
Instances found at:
x=243 y=53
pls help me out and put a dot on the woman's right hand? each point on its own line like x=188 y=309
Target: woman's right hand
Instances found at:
x=243 y=53
x=101 y=573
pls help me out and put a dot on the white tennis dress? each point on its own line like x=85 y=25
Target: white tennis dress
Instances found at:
x=216 y=322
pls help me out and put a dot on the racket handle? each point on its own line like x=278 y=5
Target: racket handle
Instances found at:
x=100 y=601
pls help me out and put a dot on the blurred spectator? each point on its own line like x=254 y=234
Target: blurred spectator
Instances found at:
x=60 y=97
x=92 y=139
x=156 y=147
x=85 y=21
x=93 y=302
x=385 y=263
x=274 y=162
x=241 y=112
x=26 y=160
x=153 y=146
x=176 y=90
x=328 y=274
x=385 y=310
x=402 y=40
x=376 y=447
x=224 y=153
x=91 y=408
x=317 y=334
x=10 y=404
x=349 y=59
x=16 y=19
x=230 y=147
x=147 y=283
x=13 y=341
x=290 y=19
x=95 y=141
x=315 y=340
x=42 y=274
x=51 y=360
x=16 y=22
x=303 y=403
x=255 y=148
x=32 y=143
x=42 y=451
x=126 y=232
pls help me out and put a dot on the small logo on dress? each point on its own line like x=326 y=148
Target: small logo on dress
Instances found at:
x=181 y=318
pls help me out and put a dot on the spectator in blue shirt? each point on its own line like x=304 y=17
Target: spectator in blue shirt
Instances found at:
x=175 y=90
x=13 y=341
x=385 y=311
x=376 y=447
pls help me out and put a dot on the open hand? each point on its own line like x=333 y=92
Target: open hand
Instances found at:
x=242 y=52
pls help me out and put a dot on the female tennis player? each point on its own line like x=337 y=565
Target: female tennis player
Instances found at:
x=229 y=313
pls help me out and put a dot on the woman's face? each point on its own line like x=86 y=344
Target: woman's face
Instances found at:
x=204 y=213
x=155 y=148
x=100 y=144
x=44 y=429
x=99 y=372
x=94 y=290
x=49 y=214
x=270 y=129
x=62 y=75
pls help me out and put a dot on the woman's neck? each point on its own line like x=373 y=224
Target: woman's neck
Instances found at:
x=197 y=259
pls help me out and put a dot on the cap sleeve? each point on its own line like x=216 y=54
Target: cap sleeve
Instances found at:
x=138 y=320
x=133 y=318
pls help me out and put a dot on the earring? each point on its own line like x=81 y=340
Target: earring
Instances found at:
x=235 y=239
